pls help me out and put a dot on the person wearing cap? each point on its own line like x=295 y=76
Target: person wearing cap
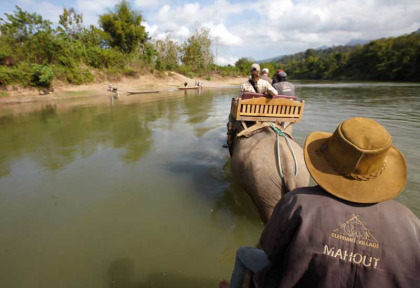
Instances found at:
x=264 y=75
x=347 y=231
x=257 y=85
x=274 y=79
x=254 y=85
x=282 y=86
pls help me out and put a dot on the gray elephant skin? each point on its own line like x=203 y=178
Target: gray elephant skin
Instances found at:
x=254 y=166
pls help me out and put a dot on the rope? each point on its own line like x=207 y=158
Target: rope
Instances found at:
x=281 y=133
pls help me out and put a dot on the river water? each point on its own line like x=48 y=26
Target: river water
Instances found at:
x=137 y=192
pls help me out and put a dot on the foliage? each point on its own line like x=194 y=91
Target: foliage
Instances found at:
x=167 y=54
x=243 y=64
x=388 y=59
x=22 y=25
x=42 y=76
x=196 y=51
x=34 y=53
x=123 y=28
x=71 y=24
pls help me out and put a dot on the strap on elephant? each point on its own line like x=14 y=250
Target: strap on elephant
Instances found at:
x=281 y=133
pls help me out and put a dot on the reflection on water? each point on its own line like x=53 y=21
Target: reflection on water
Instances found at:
x=137 y=192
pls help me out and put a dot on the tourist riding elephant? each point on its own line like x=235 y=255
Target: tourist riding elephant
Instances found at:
x=255 y=166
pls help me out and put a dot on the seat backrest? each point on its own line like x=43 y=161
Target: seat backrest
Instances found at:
x=250 y=95
x=267 y=109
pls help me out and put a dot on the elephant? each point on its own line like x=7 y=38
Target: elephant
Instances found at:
x=254 y=165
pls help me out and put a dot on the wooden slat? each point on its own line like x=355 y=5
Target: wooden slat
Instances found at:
x=262 y=109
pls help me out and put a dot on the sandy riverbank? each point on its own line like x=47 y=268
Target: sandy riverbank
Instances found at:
x=142 y=83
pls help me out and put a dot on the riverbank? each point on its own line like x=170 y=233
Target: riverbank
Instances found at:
x=149 y=82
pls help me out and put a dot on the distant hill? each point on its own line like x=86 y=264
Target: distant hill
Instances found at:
x=346 y=47
x=274 y=59
x=323 y=47
x=393 y=58
x=357 y=41
x=352 y=42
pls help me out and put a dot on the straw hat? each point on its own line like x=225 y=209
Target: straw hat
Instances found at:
x=357 y=162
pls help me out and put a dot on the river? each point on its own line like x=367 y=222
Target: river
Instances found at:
x=137 y=192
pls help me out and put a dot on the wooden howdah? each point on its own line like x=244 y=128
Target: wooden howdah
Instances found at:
x=264 y=109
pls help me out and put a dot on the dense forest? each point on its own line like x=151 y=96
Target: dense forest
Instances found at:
x=34 y=52
x=390 y=59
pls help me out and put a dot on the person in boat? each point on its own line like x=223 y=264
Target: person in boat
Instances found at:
x=347 y=231
x=282 y=86
x=257 y=85
x=264 y=75
x=185 y=84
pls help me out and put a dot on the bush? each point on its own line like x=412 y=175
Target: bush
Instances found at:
x=130 y=72
x=79 y=76
x=190 y=74
x=159 y=74
x=42 y=76
x=21 y=74
x=5 y=78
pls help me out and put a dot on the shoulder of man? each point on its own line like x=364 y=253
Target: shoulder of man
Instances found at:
x=263 y=82
x=316 y=197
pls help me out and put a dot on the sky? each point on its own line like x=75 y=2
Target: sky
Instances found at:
x=253 y=29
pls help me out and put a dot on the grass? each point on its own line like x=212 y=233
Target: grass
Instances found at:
x=4 y=94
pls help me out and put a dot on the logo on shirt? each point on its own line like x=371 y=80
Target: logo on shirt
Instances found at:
x=353 y=230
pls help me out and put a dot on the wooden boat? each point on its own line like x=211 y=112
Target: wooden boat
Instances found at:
x=190 y=88
x=142 y=92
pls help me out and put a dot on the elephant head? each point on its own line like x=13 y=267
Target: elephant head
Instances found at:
x=254 y=165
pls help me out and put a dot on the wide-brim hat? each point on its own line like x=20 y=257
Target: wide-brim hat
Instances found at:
x=357 y=162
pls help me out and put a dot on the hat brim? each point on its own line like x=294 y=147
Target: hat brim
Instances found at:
x=385 y=186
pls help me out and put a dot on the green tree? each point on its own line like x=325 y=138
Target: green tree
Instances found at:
x=22 y=25
x=71 y=23
x=123 y=28
x=167 y=51
x=196 y=51
x=243 y=64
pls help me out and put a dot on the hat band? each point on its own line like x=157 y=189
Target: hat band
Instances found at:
x=353 y=176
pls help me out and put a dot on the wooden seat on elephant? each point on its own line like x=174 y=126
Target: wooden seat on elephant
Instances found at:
x=251 y=95
x=267 y=109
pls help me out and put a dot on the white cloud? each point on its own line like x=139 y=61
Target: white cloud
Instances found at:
x=150 y=29
x=147 y=3
x=50 y=11
x=225 y=36
x=226 y=59
x=91 y=9
x=259 y=29
x=182 y=32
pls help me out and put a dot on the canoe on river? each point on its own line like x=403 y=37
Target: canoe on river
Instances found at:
x=142 y=92
x=190 y=88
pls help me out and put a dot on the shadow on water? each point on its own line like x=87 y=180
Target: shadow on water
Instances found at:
x=56 y=134
x=198 y=106
x=121 y=274
x=236 y=200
